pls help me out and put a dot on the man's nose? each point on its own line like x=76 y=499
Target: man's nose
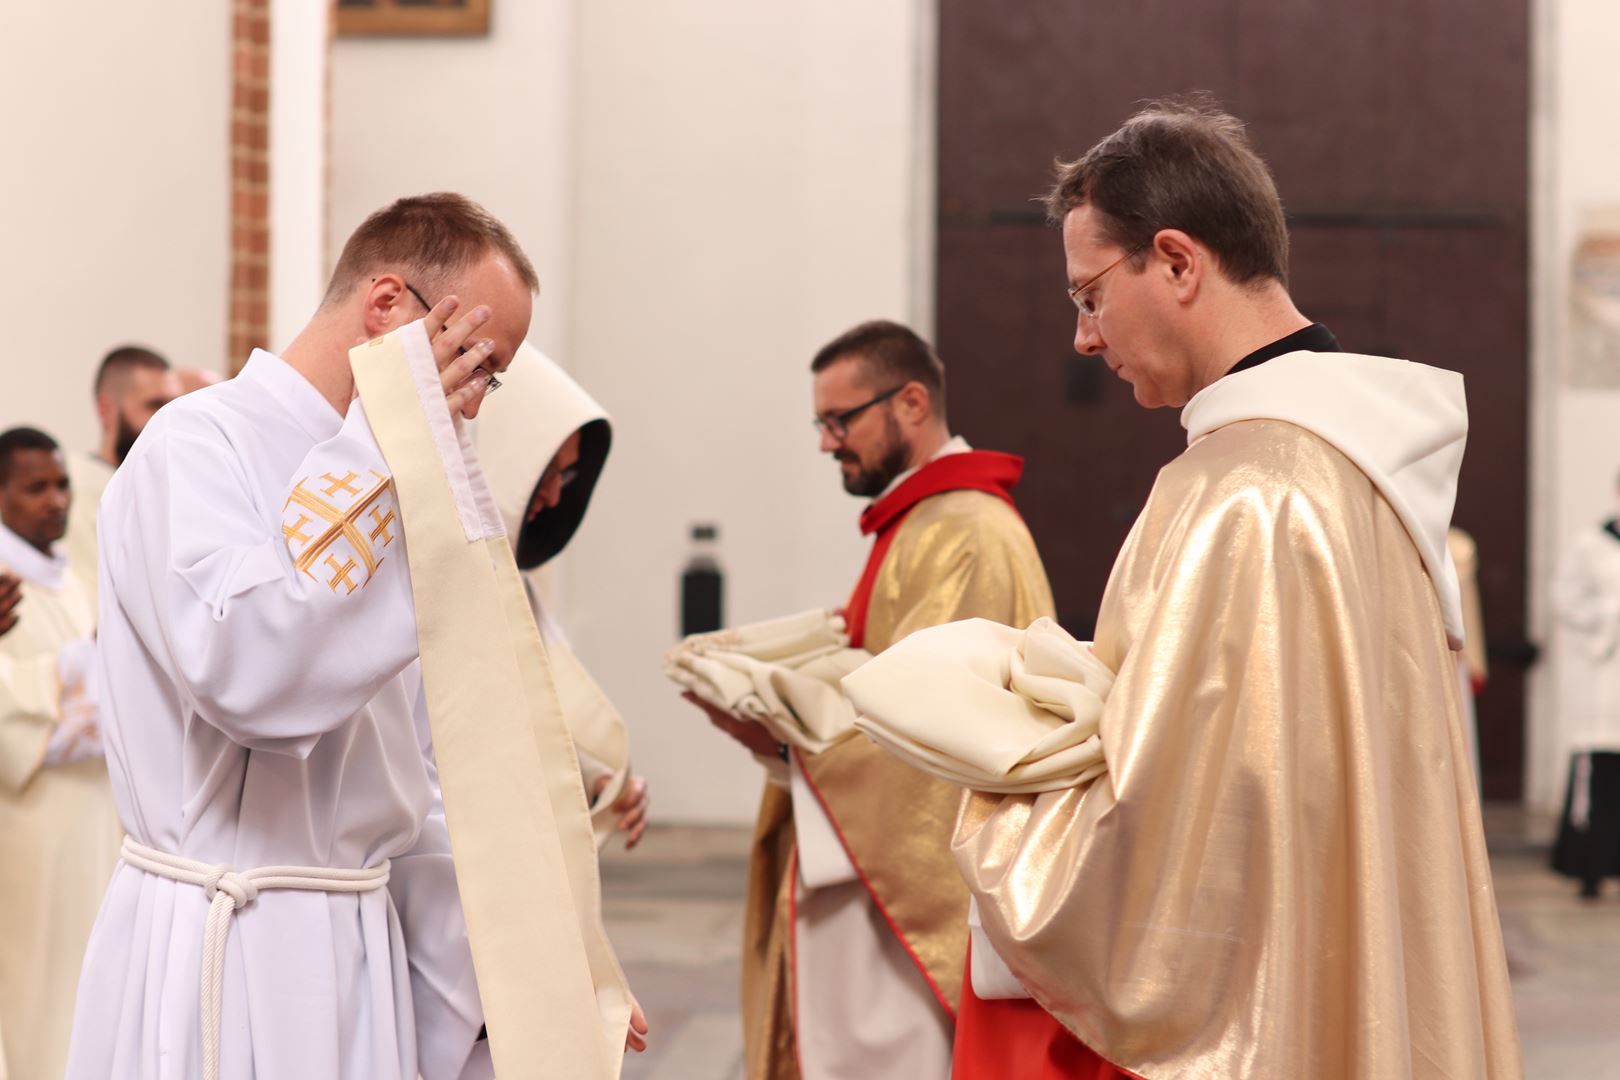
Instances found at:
x=829 y=443
x=1088 y=339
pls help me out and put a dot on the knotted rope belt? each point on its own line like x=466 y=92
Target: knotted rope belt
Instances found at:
x=229 y=891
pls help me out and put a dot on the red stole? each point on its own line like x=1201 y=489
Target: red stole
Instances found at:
x=973 y=470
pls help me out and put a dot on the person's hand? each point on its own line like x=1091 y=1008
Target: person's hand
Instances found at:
x=631 y=806
x=636 y=1038
x=10 y=597
x=465 y=361
x=752 y=735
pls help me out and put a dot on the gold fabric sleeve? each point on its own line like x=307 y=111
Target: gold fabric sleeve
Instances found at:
x=1283 y=873
x=958 y=555
x=553 y=996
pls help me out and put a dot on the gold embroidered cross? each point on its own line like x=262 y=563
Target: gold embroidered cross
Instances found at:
x=341 y=525
x=345 y=485
x=382 y=523
x=341 y=573
x=296 y=531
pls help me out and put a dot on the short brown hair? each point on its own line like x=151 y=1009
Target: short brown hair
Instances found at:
x=430 y=237
x=113 y=373
x=888 y=353
x=1181 y=163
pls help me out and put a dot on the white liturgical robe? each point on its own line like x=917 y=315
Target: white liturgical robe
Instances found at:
x=264 y=707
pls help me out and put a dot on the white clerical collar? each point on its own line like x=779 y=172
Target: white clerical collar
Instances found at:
x=309 y=408
x=954 y=445
x=29 y=563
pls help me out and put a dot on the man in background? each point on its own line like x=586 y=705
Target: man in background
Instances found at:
x=856 y=938
x=132 y=384
x=58 y=825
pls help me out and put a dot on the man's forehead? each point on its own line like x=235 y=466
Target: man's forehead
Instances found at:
x=845 y=376
x=149 y=382
x=1083 y=243
x=32 y=463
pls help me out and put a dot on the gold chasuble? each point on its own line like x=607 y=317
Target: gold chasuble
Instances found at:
x=950 y=549
x=555 y=1002
x=1283 y=872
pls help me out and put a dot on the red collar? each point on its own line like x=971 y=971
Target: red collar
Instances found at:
x=975 y=470
x=972 y=470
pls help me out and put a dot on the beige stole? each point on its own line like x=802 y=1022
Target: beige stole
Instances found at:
x=554 y=998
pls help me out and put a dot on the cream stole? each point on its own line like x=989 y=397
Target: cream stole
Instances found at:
x=555 y=1001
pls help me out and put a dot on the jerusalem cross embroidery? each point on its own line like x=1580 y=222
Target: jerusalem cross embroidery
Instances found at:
x=338 y=526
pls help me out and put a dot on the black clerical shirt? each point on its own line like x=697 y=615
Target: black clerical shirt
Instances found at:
x=1314 y=338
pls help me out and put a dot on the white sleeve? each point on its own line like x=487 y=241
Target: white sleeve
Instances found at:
x=444 y=990
x=276 y=622
x=1585 y=603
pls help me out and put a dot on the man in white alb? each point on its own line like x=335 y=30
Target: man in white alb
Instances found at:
x=265 y=705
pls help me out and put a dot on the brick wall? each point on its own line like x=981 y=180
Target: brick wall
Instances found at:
x=248 y=326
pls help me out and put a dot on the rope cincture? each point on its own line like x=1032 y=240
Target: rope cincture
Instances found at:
x=228 y=891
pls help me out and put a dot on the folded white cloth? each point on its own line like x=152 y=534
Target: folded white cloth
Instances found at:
x=986 y=706
x=782 y=673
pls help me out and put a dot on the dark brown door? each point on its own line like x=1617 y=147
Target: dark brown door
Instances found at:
x=1398 y=134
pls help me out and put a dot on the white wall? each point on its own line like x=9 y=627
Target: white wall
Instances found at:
x=491 y=117
x=747 y=187
x=115 y=182
x=1575 y=454
x=299 y=37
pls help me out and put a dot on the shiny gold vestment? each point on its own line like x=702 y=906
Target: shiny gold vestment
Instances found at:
x=957 y=555
x=1283 y=873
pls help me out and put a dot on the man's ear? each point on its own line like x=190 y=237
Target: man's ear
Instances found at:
x=1180 y=258
x=106 y=412
x=384 y=304
x=913 y=405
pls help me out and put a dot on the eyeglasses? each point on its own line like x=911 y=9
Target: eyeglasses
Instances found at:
x=492 y=384
x=1088 y=305
x=837 y=425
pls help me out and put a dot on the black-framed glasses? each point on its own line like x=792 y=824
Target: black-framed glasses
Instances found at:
x=492 y=384
x=837 y=425
x=1088 y=305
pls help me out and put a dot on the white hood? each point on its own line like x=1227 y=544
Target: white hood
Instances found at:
x=519 y=431
x=1403 y=424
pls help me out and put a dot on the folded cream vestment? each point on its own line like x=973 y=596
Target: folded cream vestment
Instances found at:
x=987 y=706
x=782 y=673
x=314 y=627
x=517 y=436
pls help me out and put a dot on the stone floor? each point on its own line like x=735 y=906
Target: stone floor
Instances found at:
x=674 y=908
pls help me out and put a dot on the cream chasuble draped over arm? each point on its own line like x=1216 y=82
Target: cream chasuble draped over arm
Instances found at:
x=554 y=999
x=1265 y=882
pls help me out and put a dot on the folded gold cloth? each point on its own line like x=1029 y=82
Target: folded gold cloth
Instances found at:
x=986 y=706
x=782 y=673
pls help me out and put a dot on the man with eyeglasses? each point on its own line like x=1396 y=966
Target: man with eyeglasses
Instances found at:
x=289 y=902
x=856 y=935
x=1282 y=872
